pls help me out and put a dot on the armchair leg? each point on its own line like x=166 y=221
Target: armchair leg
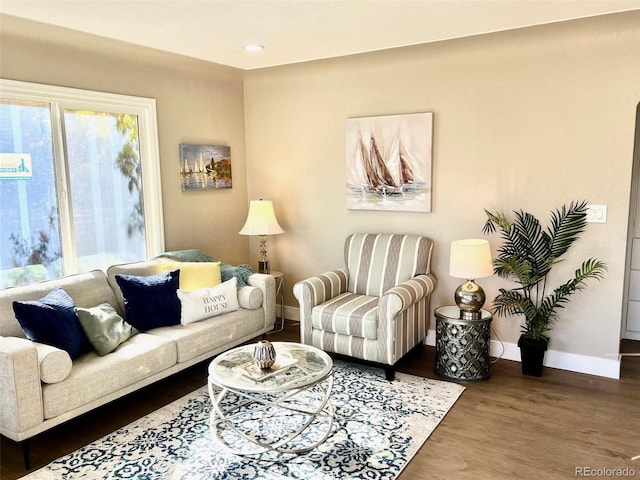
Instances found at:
x=25 y=454
x=390 y=372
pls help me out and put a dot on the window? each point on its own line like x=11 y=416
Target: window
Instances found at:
x=79 y=181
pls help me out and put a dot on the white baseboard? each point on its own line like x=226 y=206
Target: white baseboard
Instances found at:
x=629 y=335
x=602 y=367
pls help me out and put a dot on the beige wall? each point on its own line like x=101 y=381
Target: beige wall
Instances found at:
x=526 y=119
x=197 y=102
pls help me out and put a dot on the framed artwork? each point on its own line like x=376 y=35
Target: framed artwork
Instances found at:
x=389 y=162
x=204 y=167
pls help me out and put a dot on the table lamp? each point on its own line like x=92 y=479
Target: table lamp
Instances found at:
x=261 y=221
x=470 y=259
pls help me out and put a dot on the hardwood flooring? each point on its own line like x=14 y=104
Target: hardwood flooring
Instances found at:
x=562 y=425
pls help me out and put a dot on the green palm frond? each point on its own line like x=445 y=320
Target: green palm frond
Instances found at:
x=533 y=243
x=498 y=219
x=591 y=268
x=527 y=255
x=509 y=302
x=567 y=224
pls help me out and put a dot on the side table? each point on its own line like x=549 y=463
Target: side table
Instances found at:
x=279 y=277
x=462 y=346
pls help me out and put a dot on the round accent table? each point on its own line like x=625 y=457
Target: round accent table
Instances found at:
x=257 y=411
x=462 y=346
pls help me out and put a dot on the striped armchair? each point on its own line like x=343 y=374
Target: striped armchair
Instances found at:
x=377 y=308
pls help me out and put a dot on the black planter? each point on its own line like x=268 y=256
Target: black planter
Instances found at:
x=532 y=355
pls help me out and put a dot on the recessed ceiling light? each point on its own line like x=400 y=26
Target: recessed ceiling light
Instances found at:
x=253 y=48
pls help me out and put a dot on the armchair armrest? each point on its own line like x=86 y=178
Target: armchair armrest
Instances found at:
x=316 y=290
x=20 y=388
x=397 y=299
x=406 y=302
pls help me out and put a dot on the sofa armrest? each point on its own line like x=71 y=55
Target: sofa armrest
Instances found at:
x=267 y=284
x=402 y=296
x=316 y=290
x=20 y=388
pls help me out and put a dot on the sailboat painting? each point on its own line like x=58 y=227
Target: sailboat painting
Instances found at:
x=204 y=167
x=389 y=162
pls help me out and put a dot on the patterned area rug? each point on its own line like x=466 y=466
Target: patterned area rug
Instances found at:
x=378 y=428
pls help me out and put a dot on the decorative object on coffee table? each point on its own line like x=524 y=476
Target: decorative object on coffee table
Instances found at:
x=261 y=221
x=264 y=354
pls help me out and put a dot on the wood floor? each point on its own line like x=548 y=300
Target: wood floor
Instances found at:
x=506 y=427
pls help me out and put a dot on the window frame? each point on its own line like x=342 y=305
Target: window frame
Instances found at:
x=61 y=98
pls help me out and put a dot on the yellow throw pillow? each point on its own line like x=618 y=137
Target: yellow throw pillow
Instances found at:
x=194 y=275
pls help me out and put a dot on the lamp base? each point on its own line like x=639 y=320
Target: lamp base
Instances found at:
x=469 y=298
x=263 y=266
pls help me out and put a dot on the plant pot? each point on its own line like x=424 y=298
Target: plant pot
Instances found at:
x=532 y=355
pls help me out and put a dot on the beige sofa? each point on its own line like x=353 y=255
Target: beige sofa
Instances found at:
x=41 y=387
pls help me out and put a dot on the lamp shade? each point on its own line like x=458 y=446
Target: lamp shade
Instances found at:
x=470 y=258
x=261 y=219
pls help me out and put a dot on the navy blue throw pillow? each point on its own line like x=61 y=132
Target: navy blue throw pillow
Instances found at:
x=52 y=320
x=150 y=302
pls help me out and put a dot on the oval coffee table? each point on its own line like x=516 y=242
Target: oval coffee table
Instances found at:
x=284 y=409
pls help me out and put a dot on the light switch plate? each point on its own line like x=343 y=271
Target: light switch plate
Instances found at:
x=597 y=213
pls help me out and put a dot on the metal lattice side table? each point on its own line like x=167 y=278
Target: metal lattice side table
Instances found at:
x=462 y=346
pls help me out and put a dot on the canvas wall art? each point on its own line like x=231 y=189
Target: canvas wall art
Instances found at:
x=389 y=162
x=204 y=167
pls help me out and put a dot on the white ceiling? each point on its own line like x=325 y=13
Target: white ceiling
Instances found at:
x=297 y=30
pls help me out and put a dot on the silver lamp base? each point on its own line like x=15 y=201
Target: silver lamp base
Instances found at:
x=263 y=266
x=469 y=298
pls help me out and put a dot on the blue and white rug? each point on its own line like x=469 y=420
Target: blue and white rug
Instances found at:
x=379 y=426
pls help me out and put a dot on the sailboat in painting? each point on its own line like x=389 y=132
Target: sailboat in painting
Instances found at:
x=388 y=160
x=393 y=176
x=205 y=167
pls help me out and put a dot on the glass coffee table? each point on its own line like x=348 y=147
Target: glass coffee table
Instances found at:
x=285 y=409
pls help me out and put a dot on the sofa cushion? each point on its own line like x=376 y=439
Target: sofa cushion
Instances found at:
x=240 y=272
x=52 y=320
x=201 y=338
x=104 y=328
x=208 y=302
x=55 y=364
x=348 y=314
x=152 y=301
x=94 y=377
x=193 y=275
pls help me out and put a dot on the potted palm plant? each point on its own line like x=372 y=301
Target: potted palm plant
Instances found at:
x=527 y=256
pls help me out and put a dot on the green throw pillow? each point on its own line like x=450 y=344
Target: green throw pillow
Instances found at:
x=104 y=327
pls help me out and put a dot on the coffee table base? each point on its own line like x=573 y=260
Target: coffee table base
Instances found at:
x=260 y=422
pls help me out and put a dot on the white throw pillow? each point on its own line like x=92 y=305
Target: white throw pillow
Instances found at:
x=208 y=302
